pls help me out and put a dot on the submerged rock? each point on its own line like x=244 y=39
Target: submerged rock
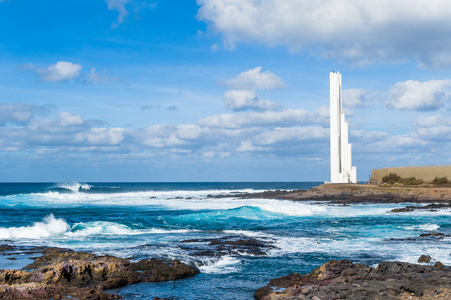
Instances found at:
x=346 y=280
x=84 y=275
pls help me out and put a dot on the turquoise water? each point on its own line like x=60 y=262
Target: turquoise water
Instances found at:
x=142 y=220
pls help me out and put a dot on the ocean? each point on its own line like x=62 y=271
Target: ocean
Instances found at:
x=146 y=220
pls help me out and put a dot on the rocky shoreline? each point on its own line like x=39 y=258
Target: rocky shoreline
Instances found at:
x=345 y=280
x=64 y=273
x=355 y=193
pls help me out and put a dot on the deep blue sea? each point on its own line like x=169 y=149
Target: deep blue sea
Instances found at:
x=144 y=220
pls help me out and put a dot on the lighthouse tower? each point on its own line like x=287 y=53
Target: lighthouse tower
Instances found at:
x=341 y=169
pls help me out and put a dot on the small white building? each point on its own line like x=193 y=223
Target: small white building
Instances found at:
x=341 y=169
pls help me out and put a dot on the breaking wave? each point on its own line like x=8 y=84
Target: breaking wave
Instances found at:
x=73 y=186
x=49 y=227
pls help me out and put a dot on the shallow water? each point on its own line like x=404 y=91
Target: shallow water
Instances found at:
x=142 y=220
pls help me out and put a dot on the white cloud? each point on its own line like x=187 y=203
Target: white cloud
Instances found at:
x=433 y=128
x=119 y=6
x=354 y=98
x=357 y=31
x=60 y=71
x=96 y=78
x=243 y=94
x=396 y=144
x=254 y=79
x=286 y=117
x=237 y=100
x=415 y=95
x=101 y=136
x=18 y=113
x=291 y=135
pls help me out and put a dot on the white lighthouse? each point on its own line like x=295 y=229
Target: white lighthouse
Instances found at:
x=341 y=169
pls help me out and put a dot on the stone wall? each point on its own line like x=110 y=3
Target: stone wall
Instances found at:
x=427 y=173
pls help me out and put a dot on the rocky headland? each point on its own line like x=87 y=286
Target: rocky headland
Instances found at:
x=63 y=273
x=346 y=280
x=355 y=193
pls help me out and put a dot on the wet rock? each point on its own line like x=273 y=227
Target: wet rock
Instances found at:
x=229 y=245
x=430 y=207
x=346 y=280
x=5 y=247
x=433 y=234
x=84 y=275
x=424 y=259
x=55 y=250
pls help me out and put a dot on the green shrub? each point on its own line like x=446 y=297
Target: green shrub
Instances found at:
x=411 y=181
x=391 y=178
x=441 y=181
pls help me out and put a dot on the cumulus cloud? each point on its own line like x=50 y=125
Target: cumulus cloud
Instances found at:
x=416 y=95
x=237 y=100
x=60 y=71
x=255 y=79
x=243 y=94
x=343 y=29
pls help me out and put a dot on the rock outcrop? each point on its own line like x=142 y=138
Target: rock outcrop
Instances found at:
x=82 y=275
x=356 y=193
x=346 y=280
x=228 y=245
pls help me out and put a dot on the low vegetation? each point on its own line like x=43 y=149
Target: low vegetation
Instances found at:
x=395 y=179
x=441 y=181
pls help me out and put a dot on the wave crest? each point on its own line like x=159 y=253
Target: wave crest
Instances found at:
x=73 y=186
x=49 y=227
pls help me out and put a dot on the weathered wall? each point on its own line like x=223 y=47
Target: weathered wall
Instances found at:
x=427 y=173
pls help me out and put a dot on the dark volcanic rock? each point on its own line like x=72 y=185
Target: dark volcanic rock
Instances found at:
x=355 y=193
x=83 y=275
x=346 y=280
x=229 y=245
x=438 y=235
x=429 y=207
x=5 y=247
x=424 y=259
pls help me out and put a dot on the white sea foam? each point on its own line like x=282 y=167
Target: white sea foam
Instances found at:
x=427 y=227
x=169 y=199
x=248 y=233
x=226 y=264
x=49 y=227
x=291 y=208
x=112 y=228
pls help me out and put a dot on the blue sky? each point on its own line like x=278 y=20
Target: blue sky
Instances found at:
x=218 y=90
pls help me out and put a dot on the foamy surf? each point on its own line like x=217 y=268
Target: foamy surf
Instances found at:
x=425 y=227
x=49 y=227
x=226 y=264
